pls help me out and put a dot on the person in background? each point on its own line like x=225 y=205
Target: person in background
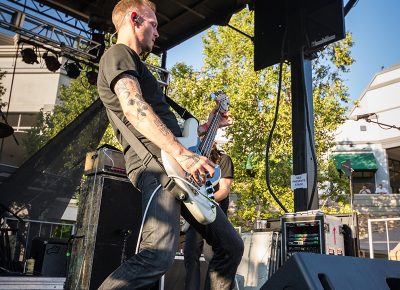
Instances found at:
x=194 y=242
x=381 y=190
x=364 y=190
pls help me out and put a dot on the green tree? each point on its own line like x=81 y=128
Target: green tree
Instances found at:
x=228 y=65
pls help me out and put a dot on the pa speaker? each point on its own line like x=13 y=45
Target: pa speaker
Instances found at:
x=284 y=27
x=108 y=223
x=305 y=271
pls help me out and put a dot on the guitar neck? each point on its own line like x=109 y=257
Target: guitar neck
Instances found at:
x=208 y=140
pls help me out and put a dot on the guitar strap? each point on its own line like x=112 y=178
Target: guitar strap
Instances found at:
x=185 y=114
x=149 y=161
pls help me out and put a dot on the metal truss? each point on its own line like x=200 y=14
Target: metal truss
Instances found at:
x=33 y=30
x=71 y=38
x=162 y=75
x=52 y=15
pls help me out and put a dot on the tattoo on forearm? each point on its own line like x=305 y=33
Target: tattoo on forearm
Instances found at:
x=164 y=130
x=141 y=107
x=194 y=157
x=123 y=88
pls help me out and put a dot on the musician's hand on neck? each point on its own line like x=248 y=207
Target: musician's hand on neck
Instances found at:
x=226 y=120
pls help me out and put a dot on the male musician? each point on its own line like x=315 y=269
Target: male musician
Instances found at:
x=127 y=88
x=194 y=243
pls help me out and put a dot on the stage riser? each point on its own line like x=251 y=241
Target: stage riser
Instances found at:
x=30 y=283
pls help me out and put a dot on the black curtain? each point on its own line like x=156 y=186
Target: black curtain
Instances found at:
x=43 y=186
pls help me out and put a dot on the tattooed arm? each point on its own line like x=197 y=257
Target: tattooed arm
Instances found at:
x=144 y=119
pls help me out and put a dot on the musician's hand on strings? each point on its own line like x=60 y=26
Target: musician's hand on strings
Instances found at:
x=198 y=166
x=225 y=120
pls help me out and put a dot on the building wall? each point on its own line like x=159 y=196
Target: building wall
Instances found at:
x=381 y=97
x=32 y=86
x=29 y=88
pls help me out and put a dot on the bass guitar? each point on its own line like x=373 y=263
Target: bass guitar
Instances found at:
x=199 y=199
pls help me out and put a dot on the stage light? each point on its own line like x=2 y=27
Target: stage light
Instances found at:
x=73 y=69
x=51 y=61
x=29 y=56
x=91 y=77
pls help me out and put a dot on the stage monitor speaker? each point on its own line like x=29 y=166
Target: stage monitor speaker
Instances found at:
x=322 y=22
x=50 y=257
x=109 y=219
x=306 y=271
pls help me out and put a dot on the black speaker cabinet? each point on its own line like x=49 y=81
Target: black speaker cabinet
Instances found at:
x=306 y=271
x=50 y=257
x=174 y=279
x=108 y=224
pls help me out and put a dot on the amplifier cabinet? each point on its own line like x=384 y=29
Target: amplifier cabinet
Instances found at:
x=108 y=223
x=105 y=160
x=312 y=232
x=174 y=279
x=50 y=257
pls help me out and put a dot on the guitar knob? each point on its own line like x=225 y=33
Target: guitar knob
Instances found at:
x=210 y=190
x=208 y=183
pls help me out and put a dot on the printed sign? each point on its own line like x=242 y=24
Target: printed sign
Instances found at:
x=299 y=181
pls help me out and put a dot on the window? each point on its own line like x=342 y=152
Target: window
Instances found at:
x=361 y=178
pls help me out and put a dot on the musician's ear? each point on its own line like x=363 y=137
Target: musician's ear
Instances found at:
x=135 y=17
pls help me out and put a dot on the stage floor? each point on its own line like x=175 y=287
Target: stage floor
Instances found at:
x=27 y=283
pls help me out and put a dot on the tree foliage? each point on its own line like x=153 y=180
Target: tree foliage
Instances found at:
x=228 y=65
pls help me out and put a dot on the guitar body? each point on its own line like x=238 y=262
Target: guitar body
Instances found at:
x=201 y=207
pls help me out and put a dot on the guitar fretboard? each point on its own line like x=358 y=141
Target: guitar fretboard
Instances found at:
x=208 y=140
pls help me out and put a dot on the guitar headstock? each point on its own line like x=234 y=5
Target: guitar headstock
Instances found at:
x=222 y=99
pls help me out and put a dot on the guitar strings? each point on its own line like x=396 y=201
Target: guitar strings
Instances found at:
x=206 y=145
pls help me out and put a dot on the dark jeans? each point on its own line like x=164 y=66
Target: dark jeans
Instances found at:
x=160 y=238
x=194 y=246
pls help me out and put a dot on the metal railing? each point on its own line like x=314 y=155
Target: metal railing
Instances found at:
x=34 y=229
x=370 y=241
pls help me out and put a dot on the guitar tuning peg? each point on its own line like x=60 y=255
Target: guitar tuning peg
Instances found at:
x=216 y=94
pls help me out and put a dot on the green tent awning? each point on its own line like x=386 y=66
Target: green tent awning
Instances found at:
x=359 y=161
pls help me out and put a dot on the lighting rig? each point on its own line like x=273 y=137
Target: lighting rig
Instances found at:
x=59 y=34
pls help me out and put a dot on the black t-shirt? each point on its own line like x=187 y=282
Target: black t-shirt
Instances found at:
x=120 y=59
x=226 y=172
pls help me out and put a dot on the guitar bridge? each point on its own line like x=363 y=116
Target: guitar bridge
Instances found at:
x=193 y=182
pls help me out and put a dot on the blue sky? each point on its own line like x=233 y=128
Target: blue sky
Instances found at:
x=375 y=25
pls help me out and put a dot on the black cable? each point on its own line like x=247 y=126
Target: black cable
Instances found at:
x=388 y=127
x=241 y=32
x=9 y=100
x=271 y=132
